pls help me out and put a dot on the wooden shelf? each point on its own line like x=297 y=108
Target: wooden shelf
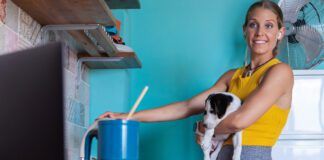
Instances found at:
x=123 y=4
x=67 y=12
x=49 y=12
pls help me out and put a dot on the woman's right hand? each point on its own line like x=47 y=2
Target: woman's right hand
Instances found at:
x=113 y=115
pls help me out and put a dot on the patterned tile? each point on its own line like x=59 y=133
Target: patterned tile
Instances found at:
x=85 y=73
x=3 y=5
x=18 y=31
x=72 y=65
x=85 y=91
x=75 y=112
x=73 y=134
x=69 y=83
x=8 y=40
x=84 y=97
x=28 y=28
x=11 y=19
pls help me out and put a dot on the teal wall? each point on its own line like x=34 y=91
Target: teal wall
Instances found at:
x=109 y=90
x=320 y=66
x=184 y=46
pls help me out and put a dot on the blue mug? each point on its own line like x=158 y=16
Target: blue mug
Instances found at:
x=117 y=140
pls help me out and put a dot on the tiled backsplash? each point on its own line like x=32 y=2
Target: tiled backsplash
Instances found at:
x=18 y=31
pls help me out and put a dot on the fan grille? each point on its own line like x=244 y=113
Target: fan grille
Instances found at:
x=303 y=46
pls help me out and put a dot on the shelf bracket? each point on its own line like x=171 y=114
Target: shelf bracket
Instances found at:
x=93 y=37
x=90 y=59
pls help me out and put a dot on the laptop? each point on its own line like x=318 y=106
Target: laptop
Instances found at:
x=31 y=104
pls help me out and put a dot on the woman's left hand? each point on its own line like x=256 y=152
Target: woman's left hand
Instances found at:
x=201 y=129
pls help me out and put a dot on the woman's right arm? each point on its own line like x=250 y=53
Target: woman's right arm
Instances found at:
x=178 y=110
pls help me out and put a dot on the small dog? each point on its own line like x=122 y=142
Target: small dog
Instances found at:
x=218 y=106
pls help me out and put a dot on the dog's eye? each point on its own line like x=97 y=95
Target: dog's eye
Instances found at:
x=205 y=113
x=211 y=111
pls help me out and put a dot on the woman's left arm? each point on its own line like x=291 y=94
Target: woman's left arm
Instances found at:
x=277 y=82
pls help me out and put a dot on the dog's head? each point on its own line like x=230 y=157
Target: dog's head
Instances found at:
x=217 y=105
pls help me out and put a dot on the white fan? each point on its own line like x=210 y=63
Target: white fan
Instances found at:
x=303 y=45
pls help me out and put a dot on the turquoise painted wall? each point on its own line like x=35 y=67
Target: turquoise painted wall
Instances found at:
x=109 y=90
x=184 y=46
x=320 y=66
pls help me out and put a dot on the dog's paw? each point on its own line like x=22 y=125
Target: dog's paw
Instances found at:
x=236 y=157
x=206 y=146
x=213 y=156
x=207 y=158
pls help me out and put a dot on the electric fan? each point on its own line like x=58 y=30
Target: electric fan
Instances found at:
x=303 y=44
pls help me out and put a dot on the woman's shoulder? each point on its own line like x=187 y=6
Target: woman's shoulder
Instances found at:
x=229 y=75
x=281 y=72
x=231 y=72
x=281 y=69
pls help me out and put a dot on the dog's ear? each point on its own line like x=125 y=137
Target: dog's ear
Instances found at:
x=229 y=99
x=210 y=97
x=222 y=102
x=219 y=103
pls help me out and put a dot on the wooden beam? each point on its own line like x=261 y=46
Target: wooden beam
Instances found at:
x=48 y=12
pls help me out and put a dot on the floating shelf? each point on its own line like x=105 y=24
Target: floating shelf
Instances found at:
x=48 y=12
x=123 y=4
x=68 y=15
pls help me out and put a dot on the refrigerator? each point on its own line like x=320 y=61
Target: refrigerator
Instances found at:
x=303 y=136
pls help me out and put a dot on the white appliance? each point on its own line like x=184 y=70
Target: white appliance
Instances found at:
x=303 y=136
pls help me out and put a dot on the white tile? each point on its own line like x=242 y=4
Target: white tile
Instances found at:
x=11 y=19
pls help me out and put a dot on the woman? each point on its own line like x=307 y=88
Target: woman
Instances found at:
x=265 y=86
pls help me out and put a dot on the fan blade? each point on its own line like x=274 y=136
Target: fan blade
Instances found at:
x=291 y=8
x=312 y=41
x=283 y=50
x=291 y=54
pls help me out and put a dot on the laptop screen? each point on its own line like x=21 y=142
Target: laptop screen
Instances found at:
x=31 y=104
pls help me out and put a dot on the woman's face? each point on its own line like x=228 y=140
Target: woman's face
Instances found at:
x=262 y=32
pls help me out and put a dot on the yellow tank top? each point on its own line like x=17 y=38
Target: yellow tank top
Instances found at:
x=266 y=130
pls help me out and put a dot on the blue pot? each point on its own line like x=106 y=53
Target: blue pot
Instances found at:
x=117 y=140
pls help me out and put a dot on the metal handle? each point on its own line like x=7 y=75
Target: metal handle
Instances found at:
x=85 y=148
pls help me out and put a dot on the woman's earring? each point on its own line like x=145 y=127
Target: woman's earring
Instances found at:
x=279 y=36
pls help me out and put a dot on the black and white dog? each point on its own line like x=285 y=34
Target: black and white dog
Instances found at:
x=218 y=106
